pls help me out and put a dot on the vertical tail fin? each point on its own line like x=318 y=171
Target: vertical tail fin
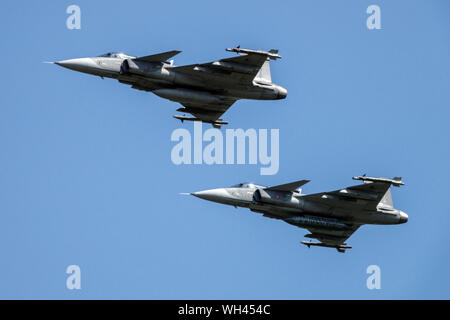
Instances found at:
x=386 y=201
x=263 y=74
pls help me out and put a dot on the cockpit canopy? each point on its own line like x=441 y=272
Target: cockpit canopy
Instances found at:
x=248 y=185
x=116 y=55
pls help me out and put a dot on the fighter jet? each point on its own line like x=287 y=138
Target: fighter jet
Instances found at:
x=330 y=217
x=205 y=90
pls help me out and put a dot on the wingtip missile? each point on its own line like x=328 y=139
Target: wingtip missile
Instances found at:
x=272 y=53
x=396 y=181
x=216 y=124
x=339 y=247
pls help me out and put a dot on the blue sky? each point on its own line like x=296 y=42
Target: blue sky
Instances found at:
x=87 y=179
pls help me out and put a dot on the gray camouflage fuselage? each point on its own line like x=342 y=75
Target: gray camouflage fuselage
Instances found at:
x=206 y=90
x=284 y=205
x=160 y=79
x=331 y=217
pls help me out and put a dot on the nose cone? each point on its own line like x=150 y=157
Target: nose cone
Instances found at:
x=82 y=64
x=216 y=195
x=403 y=217
x=282 y=93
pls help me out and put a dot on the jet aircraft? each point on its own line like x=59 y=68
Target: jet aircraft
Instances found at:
x=330 y=217
x=205 y=90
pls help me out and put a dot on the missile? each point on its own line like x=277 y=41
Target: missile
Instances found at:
x=272 y=54
x=216 y=124
x=396 y=181
x=339 y=247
